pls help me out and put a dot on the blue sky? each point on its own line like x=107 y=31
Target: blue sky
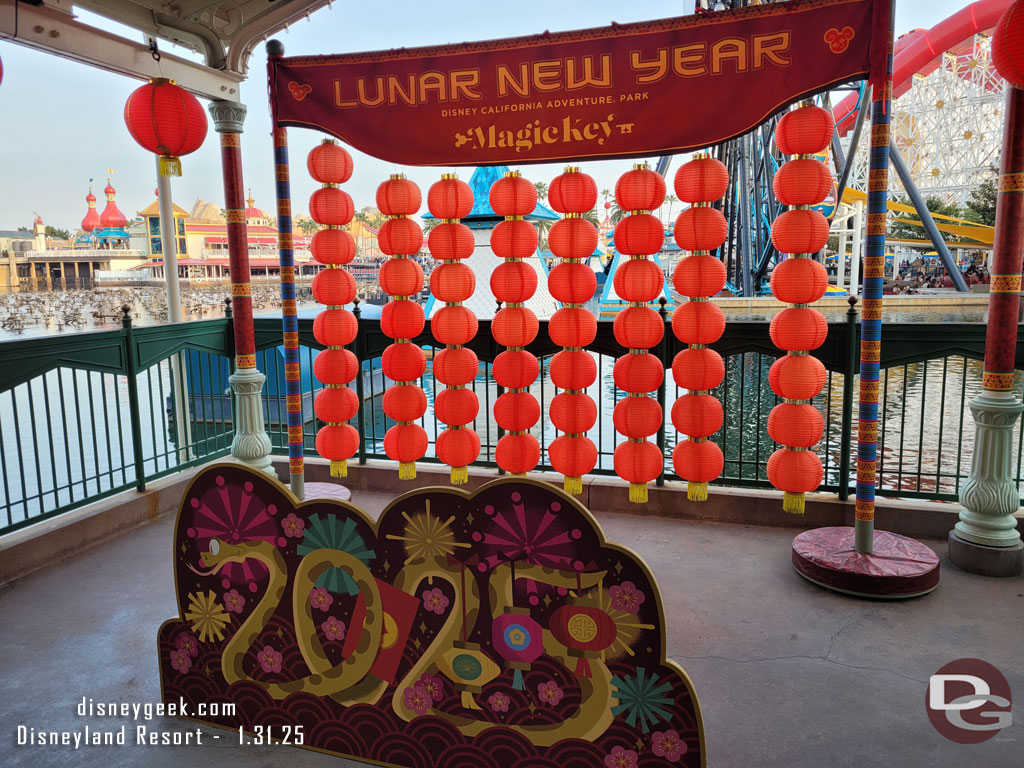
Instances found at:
x=63 y=121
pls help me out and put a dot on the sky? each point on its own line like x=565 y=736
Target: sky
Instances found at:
x=63 y=121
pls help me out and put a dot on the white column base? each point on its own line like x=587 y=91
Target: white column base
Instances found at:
x=251 y=445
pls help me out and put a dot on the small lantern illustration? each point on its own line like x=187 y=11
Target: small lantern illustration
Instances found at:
x=519 y=640
x=585 y=629
x=469 y=669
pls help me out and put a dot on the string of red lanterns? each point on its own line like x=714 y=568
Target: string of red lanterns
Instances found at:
x=401 y=277
x=572 y=282
x=638 y=328
x=515 y=326
x=799 y=280
x=699 y=229
x=335 y=327
x=452 y=282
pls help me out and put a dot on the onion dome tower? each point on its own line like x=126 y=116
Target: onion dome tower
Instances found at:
x=112 y=218
x=92 y=216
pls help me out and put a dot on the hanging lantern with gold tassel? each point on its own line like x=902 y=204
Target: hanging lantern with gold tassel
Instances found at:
x=452 y=282
x=515 y=326
x=335 y=327
x=572 y=282
x=699 y=229
x=402 y=319
x=799 y=280
x=638 y=327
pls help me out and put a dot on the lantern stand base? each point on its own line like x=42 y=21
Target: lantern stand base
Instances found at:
x=898 y=568
x=333 y=491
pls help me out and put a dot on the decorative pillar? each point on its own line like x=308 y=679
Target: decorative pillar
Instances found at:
x=251 y=445
x=986 y=539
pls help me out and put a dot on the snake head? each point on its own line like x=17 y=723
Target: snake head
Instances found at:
x=221 y=553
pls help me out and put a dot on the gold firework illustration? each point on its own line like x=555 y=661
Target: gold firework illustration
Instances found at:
x=207 y=616
x=627 y=627
x=427 y=537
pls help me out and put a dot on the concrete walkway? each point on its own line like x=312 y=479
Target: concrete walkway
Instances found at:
x=787 y=674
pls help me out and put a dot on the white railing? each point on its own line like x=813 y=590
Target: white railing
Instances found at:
x=87 y=254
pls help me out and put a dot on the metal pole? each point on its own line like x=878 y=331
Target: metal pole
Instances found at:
x=134 y=414
x=856 y=247
x=841 y=256
x=745 y=234
x=849 y=372
x=862 y=111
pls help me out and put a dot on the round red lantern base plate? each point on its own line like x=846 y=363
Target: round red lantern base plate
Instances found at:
x=898 y=568
x=327 y=491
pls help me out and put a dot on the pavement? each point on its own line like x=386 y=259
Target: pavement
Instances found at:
x=787 y=674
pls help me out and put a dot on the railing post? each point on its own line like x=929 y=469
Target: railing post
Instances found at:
x=134 y=414
x=663 y=354
x=358 y=347
x=849 y=371
x=501 y=391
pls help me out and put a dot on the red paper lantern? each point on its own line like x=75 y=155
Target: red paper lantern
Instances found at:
x=800 y=231
x=698 y=462
x=572 y=192
x=572 y=282
x=701 y=180
x=514 y=326
x=515 y=369
x=699 y=275
x=640 y=280
x=512 y=195
x=637 y=417
x=798 y=329
x=804 y=181
x=449 y=241
x=1008 y=45
x=337 y=443
x=404 y=404
x=452 y=283
x=639 y=235
x=804 y=131
x=405 y=443
x=398 y=196
x=335 y=327
x=400 y=236
x=638 y=464
x=337 y=404
x=513 y=282
x=795 y=472
x=572 y=369
x=402 y=319
x=458 y=448
x=455 y=367
x=329 y=163
x=514 y=239
x=572 y=327
x=335 y=367
x=517 y=454
x=454 y=325
x=456 y=407
x=638 y=328
x=640 y=189
x=450 y=198
x=572 y=239
x=403 y=362
x=698 y=369
x=799 y=281
x=698 y=322
x=797 y=377
x=573 y=412
x=572 y=457
x=167 y=120
x=585 y=630
x=697 y=415
x=798 y=425
x=640 y=374
x=334 y=287
x=332 y=206
x=516 y=411
x=700 y=228
x=333 y=246
x=401 y=277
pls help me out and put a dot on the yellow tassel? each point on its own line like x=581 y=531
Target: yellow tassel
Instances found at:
x=638 y=493
x=793 y=503
x=170 y=166
x=339 y=468
x=697 y=491
x=573 y=485
x=406 y=470
x=517 y=474
x=460 y=475
x=468 y=702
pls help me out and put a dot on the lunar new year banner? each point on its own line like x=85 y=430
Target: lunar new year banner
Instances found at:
x=632 y=89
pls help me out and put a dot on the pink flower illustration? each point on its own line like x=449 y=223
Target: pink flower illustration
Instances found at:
x=667 y=744
x=626 y=597
x=333 y=628
x=320 y=598
x=417 y=699
x=233 y=601
x=269 y=659
x=621 y=758
x=433 y=686
x=292 y=526
x=499 y=702
x=181 y=661
x=550 y=693
x=187 y=642
x=434 y=600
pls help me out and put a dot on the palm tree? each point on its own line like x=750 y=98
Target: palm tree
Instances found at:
x=306 y=225
x=543 y=227
x=670 y=199
x=591 y=216
x=542 y=190
x=429 y=224
x=617 y=214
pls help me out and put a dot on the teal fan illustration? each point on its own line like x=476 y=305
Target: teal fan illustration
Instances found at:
x=327 y=533
x=641 y=698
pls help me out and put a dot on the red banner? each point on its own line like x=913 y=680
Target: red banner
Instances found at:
x=651 y=88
